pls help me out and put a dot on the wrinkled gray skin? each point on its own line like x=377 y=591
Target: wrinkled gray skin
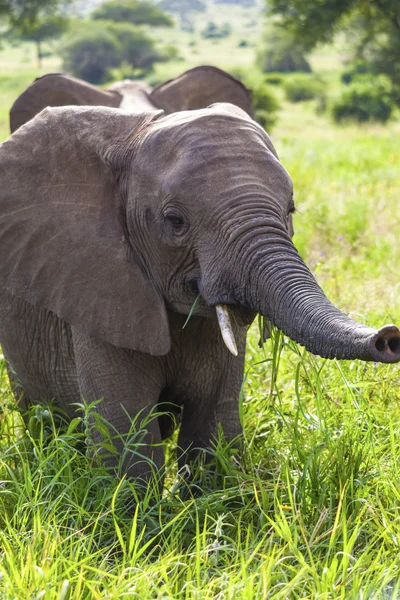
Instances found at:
x=111 y=224
x=196 y=88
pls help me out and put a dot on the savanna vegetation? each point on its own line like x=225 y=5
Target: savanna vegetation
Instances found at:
x=312 y=508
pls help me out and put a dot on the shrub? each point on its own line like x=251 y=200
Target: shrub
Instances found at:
x=97 y=47
x=91 y=54
x=303 y=87
x=359 y=67
x=280 y=54
x=265 y=105
x=273 y=79
x=137 y=48
x=263 y=99
x=212 y=30
x=132 y=11
x=367 y=98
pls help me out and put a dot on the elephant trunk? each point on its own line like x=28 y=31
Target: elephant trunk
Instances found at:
x=281 y=288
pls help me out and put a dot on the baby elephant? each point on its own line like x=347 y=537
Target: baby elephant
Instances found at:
x=112 y=224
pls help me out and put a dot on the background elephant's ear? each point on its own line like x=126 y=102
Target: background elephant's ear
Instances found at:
x=58 y=89
x=200 y=87
x=62 y=242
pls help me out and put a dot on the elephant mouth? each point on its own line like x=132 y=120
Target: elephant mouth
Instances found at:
x=240 y=316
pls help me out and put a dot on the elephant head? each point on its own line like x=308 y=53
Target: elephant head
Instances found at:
x=196 y=88
x=112 y=220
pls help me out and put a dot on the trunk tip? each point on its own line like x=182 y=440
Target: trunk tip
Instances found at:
x=385 y=345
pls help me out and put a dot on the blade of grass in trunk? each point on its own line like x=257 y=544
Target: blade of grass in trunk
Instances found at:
x=191 y=311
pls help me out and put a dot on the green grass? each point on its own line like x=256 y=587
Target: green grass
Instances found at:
x=312 y=510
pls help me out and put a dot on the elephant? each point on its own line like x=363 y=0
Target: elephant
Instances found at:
x=114 y=228
x=196 y=88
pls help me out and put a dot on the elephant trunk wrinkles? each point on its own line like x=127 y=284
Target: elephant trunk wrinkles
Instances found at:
x=283 y=289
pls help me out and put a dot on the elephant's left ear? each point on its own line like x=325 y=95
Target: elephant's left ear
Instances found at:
x=62 y=239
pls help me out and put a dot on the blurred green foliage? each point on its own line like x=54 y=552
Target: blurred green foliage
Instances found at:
x=273 y=79
x=98 y=46
x=358 y=67
x=132 y=11
x=372 y=25
x=279 y=53
x=43 y=28
x=366 y=98
x=185 y=9
x=212 y=30
x=25 y=13
x=91 y=53
x=303 y=86
x=266 y=105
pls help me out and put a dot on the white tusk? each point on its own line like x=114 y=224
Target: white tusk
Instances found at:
x=224 y=322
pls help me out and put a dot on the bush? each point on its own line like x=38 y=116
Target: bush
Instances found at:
x=367 y=98
x=214 y=31
x=280 y=54
x=133 y=11
x=303 y=87
x=137 y=48
x=100 y=46
x=359 y=67
x=263 y=99
x=91 y=54
x=265 y=105
x=273 y=79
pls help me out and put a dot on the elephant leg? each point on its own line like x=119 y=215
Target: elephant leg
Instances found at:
x=203 y=422
x=129 y=384
x=211 y=399
x=17 y=389
x=200 y=431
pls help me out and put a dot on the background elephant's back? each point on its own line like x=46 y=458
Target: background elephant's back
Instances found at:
x=198 y=88
x=58 y=89
x=134 y=95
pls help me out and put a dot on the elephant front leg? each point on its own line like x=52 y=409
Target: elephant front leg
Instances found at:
x=128 y=384
x=211 y=404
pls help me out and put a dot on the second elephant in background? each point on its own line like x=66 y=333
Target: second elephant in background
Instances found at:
x=195 y=89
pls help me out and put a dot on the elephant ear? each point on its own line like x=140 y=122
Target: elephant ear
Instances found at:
x=200 y=87
x=62 y=241
x=58 y=89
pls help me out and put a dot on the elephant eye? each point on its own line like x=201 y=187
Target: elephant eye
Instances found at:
x=291 y=210
x=175 y=220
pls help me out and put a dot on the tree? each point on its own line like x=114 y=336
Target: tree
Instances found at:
x=98 y=46
x=46 y=28
x=373 y=24
x=133 y=11
x=137 y=47
x=34 y=20
x=280 y=53
x=24 y=13
x=90 y=54
x=183 y=8
x=212 y=30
